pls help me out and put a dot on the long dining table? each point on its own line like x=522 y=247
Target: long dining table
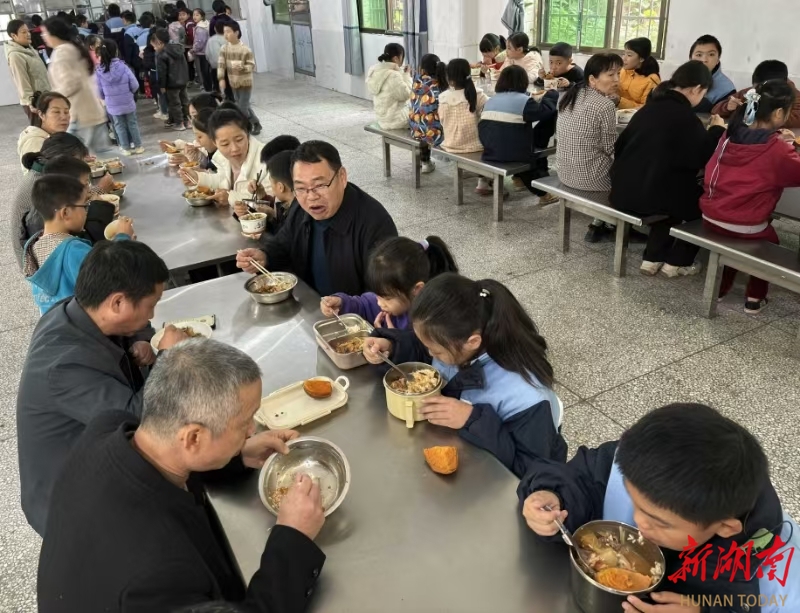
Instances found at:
x=405 y=538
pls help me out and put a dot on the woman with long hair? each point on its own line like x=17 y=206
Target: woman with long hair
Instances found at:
x=71 y=70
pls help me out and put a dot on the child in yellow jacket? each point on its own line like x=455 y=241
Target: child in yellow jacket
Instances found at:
x=639 y=75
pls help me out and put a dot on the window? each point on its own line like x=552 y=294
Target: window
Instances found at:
x=381 y=15
x=280 y=12
x=593 y=25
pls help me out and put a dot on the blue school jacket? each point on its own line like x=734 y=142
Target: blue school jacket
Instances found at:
x=515 y=421
x=590 y=486
x=506 y=127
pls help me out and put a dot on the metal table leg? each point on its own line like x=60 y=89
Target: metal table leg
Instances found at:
x=459 y=184
x=417 y=166
x=564 y=219
x=387 y=158
x=498 y=197
x=620 y=249
x=711 y=289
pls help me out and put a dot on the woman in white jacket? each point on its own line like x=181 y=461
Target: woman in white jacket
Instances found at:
x=390 y=86
x=238 y=159
x=520 y=53
x=71 y=74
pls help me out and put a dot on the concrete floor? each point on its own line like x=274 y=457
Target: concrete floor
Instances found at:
x=619 y=346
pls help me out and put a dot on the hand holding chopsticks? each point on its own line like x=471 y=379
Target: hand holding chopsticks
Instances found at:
x=264 y=271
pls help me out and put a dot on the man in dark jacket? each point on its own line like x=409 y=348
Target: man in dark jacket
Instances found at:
x=173 y=75
x=86 y=356
x=131 y=528
x=327 y=240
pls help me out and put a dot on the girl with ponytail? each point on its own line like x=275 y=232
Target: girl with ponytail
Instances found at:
x=746 y=176
x=390 y=86
x=398 y=269
x=71 y=70
x=493 y=52
x=499 y=382
x=424 y=114
x=640 y=73
x=520 y=53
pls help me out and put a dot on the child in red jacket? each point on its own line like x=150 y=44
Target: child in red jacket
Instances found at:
x=746 y=176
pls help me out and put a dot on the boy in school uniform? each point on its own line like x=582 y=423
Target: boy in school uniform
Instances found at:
x=53 y=257
x=173 y=76
x=685 y=476
x=767 y=70
x=561 y=67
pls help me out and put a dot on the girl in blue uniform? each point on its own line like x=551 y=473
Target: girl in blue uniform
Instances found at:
x=499 y=393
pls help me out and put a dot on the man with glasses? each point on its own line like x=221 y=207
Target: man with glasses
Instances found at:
x=86 y=355
x=326 y=241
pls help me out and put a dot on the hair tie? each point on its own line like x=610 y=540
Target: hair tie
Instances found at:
x=751 y=97
x=484 y=293
x=424 y=244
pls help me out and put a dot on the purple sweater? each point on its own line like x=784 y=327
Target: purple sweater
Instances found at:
x=366 y=305
x=116 y=87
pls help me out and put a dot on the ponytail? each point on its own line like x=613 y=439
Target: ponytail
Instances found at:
x=490 y=42
x=398 y=264
x=648 y=67
x=502 y=43
x=597 y=65
x=390 y=51
x=107 y=52
x=451 y=308
x=459 y=75
x=432 y=66
x=690 y=74
x=760 y=102
x=441 y=76
x=521 y=41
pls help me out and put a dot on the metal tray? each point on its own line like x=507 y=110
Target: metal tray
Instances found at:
x=329 y=333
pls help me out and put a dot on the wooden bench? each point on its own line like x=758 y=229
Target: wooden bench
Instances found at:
x=494 y=171
x=397 y=138
x=595 y=204
x=766 y=261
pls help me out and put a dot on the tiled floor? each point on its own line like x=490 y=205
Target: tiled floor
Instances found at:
x=620 y=346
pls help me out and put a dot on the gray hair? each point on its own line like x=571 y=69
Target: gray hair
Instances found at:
x=196 y=382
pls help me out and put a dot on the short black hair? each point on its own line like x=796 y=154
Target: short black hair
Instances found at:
x=769 y=70
x=219 y=26
x=146 y=20
x=205 y=100
x=233 y=26
x=284 y=142
x=707 y=39
x=218 y=6
x=53 y=192
x=162 y=35
x=512 y=79
x=36 y=20
x=113 y=10
x=695 y=462
x=218 y=606
x=13 y=26
x=225 y=117
x=67 y=165
x=186 y=10
x=561 y=50
x=280 y=168
x=129 y=267
x=81 y=18
x=316 y=151
x=129 y=16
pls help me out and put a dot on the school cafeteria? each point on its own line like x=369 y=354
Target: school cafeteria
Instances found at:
x=400 y=306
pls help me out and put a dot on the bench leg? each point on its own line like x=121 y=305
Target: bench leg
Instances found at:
x=417 y=167
x=711 y=290
x=620 y=249
x=387 y=159
x=498 y=198
x=564 y=219
x=459 y=184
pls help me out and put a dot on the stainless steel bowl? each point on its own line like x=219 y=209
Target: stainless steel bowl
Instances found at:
x=118 y=192
x=316 y=457
x=114 y=170
x=198 y=201
x=98 y=172
x=593 y=597
x=277 y=296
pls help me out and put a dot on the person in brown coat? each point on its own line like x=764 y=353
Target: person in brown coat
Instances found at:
x=767 y=70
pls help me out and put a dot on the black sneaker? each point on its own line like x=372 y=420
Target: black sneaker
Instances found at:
x=754 y=307
x=257 y=129
x=597 y=233
x=169 y=124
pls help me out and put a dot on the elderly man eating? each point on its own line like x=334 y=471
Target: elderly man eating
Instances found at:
x=130 y=528
x=326 y=241
x=86 y=356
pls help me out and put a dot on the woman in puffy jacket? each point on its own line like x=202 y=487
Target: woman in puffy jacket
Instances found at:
x=390 y=86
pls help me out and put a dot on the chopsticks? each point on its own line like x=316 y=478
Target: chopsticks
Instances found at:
x=264 y=271
x=192 y=179
x=250 y=208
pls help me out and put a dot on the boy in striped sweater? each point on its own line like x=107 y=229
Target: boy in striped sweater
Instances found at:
x=237 y=62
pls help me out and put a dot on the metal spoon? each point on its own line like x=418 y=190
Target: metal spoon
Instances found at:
x=567 y=536
x=407 y=376
x=348 y=329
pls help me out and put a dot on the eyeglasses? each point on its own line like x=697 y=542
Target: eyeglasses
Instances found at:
x=317 y=190
x=79 y=206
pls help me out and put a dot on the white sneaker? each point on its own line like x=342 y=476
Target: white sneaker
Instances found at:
x=427 y=167
x=668 y=270
x=161 y=116
x=125 y=151
x=138 y=150
x=484 y=187
x=650 y=268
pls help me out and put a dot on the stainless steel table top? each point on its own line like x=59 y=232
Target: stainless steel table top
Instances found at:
x=405 y=539
x=184 y=237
